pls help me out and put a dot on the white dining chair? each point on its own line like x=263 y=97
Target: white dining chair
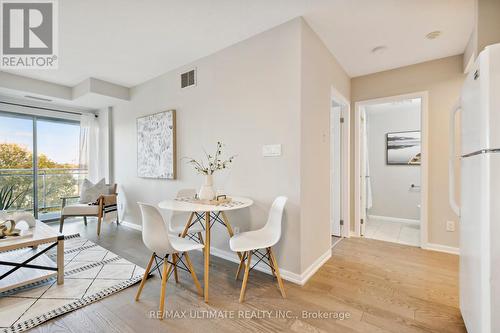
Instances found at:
x=251 y=242
x=178 y=220
x=164 y=247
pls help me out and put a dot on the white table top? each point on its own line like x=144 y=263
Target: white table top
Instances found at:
x=184 y=206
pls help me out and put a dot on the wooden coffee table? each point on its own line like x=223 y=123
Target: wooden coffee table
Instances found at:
x=21 y=262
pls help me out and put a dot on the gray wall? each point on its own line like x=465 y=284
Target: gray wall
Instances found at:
x=391 y=192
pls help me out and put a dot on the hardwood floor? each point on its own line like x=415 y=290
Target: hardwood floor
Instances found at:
x=383 y=287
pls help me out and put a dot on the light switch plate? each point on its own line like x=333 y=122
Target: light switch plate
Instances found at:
x=271 y=150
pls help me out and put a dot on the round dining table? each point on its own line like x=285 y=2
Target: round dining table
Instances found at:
x=212 y=213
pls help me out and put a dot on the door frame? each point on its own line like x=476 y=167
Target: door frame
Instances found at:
x=338 y=98
x=424 y=166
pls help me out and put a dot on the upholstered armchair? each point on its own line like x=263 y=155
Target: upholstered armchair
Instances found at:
x=105 y=203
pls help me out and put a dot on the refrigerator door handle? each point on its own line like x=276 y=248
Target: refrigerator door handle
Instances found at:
x=451 y=163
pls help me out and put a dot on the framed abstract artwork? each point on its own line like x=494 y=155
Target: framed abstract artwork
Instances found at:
x=156 y=152
x=403 y=148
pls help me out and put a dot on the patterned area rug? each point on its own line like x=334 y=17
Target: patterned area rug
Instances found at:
x=91 y=273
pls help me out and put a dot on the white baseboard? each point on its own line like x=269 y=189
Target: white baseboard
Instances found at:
x=441 y=248
x=261 y=267
x=299 y=279
x=394 y=219
x=337 y=243
x=315 y=266
x=131 y=225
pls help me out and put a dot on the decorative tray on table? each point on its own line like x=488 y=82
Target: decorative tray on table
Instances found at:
x=23 y=230
x=220 y=200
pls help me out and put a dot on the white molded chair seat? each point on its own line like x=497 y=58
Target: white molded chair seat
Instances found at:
x=178 y=229
x=251 y=242
x=165 y=247
x=184 y=244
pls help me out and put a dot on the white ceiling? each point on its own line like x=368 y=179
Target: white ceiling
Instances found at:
x=401 y=105
x=352 y=28
x=128 y=42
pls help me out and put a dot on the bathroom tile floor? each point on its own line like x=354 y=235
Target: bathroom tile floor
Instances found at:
x=396 y=232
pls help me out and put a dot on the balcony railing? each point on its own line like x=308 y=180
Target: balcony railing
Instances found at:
x=53 y=183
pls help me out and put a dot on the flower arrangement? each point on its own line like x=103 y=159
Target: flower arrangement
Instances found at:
x=211 y=163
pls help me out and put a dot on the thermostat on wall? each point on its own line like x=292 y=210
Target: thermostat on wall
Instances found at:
x=271 y=150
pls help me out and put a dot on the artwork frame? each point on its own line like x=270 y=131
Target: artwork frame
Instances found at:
x=156 y=145
x=404 y=148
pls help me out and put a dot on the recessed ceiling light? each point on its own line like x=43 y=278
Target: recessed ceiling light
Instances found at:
x=379 y=49
x=433 y=34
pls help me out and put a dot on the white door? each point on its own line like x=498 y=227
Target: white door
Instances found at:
x=336 y=170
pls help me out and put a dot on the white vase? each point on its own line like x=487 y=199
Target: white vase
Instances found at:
x=207 y=190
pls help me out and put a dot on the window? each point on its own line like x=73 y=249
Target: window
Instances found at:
x=39 y=160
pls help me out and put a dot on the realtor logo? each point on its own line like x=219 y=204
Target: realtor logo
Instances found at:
x=29 y=34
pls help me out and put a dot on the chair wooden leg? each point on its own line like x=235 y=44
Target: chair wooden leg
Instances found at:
x=99 y=220
x=193 y=274
x=270 y=262
x=145 y=277
x=245 y=278
x=166 y=270
x=240 y=266
x=200 y=238
x=61 y=222
x=85 y=220
x=174 y=260
x=277 y=271
x=100 y=214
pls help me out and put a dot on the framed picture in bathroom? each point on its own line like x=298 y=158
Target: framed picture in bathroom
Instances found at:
x=403 y=148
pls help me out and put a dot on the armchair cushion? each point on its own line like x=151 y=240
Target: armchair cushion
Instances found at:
x=91 y=192
x=80 y=209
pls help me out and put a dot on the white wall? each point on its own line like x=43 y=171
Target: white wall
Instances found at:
x=442 y=79
x=272 y=88
x=391 y=193
x=247 y=95
x=319 y=73
x=105 y=146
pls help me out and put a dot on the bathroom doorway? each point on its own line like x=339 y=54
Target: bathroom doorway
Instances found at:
x=390 y=163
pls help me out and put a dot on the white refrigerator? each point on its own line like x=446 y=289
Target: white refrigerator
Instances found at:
x=479 y=208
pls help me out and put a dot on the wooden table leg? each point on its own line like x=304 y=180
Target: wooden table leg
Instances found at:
x=229 y=229
x=60 y=260
x=207 y=253
x=186 y=228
